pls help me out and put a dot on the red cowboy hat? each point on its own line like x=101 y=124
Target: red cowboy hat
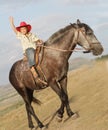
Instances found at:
x=24 y=24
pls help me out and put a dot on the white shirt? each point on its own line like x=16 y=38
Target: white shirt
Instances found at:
x=27 y=41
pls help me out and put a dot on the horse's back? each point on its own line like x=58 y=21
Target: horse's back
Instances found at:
x=20 y=75
x=16 y=72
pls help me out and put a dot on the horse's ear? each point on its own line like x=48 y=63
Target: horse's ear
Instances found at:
x=78 y=21
x=75 y=26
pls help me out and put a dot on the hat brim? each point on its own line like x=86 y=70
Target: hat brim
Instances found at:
x=28 y=27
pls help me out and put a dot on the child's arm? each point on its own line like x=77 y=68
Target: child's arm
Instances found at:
x=12 y=24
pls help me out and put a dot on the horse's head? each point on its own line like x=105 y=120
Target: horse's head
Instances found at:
x=85 y=37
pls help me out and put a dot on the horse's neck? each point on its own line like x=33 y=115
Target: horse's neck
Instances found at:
x=65 y=41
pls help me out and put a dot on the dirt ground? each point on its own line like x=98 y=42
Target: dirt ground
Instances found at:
x=88 y=95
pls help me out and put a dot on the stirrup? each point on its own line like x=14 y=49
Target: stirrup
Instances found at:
x=41 y=81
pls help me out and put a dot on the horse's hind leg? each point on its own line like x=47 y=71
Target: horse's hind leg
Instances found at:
x=30 y=108
x=27 y=95
x=30 y=96
x=30 y=123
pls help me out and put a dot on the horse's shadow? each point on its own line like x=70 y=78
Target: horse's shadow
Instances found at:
x=52 y=117
x=72 y=99
x=49 y=122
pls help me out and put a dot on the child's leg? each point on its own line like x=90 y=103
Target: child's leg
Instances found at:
x=33 y=71
x=30 y=56
x=35 y=75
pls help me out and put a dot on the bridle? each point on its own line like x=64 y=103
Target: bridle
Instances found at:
x=76 y=41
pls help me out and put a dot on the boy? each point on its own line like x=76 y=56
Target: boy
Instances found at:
x=28 y=41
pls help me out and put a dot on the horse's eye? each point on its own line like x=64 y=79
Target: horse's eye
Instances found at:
x=89 y=33
x=83 y=30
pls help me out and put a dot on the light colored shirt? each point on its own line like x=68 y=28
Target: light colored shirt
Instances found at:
x=27 y=41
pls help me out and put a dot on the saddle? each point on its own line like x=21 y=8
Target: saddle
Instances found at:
x=39 y=56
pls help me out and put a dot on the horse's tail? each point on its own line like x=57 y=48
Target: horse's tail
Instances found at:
x=36 y=101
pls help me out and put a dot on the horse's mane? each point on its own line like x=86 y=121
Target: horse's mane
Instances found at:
x=59 y=34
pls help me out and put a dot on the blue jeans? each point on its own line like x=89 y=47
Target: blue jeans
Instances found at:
x=30 y=56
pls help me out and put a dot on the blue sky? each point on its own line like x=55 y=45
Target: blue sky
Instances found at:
x=47 y=17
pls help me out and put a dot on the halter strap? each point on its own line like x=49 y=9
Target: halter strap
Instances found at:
x=79 y=30
x=85 y=36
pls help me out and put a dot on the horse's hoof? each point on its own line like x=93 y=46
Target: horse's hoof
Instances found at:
x=59 y=119
x=75 y=116
x=33 y=128
x=44 y=128
x=70 y=113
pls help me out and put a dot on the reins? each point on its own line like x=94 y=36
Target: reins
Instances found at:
x=73 y=50
x=62 y=50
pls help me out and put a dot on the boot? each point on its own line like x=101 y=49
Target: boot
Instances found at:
x=36 y=77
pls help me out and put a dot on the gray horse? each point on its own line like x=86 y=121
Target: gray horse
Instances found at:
x=57 y=50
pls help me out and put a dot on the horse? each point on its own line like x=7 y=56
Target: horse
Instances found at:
x=56 y=53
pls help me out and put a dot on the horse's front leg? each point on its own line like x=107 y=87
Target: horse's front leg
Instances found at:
x=55 y=86
x=63 y=85
x=60 y=111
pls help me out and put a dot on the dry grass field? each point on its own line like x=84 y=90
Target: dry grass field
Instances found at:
x=88 y=94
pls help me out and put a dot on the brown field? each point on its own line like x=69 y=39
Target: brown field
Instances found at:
x=88 y=94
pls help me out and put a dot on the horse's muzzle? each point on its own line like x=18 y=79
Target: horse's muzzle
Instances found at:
x=96 y=49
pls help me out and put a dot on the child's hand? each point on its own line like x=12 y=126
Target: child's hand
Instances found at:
x=39 y=42
x=11 y=19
